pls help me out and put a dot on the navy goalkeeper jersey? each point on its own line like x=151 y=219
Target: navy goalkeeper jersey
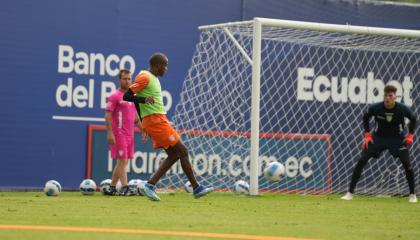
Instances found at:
x=389 y=122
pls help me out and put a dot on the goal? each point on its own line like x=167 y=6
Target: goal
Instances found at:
x=293 y=92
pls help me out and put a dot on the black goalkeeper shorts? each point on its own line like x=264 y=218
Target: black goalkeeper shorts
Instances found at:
x=394 y=145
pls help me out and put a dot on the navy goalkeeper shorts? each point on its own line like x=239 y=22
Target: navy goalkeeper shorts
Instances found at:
x=394 y=145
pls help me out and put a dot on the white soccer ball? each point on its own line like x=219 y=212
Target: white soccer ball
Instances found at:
x=240 y=187
x=140 y=186
x=187 y=187
x=52 y=188
x=88 y=187
x=104 y=185
x=274 y=171
x=134 y=184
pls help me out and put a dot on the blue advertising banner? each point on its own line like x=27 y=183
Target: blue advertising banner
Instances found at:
x=59 y=61
x=307 y=166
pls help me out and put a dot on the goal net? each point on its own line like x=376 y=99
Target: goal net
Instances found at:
x=315 y=82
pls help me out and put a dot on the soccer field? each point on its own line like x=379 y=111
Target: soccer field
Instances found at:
x=180 y=216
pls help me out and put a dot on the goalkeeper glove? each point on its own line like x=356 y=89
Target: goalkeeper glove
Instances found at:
x=368 y=139
x=409 y=139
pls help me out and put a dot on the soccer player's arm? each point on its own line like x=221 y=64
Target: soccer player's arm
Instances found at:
x=130 y=97
x=413 y=120
x=110 y=107
x=409 y=139
x=139 y=84
x=137 y=120
x=368 y=136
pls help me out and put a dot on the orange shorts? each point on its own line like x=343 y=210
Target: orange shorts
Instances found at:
x=160 y=130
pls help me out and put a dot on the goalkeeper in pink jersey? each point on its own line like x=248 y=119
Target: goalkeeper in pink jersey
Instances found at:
x=120 y=117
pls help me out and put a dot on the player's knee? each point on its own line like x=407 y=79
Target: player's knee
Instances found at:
x=408 y=167
x=405 y=160
x=173 y=157
x=182 y=152
x=122 y=162
x=363 y=159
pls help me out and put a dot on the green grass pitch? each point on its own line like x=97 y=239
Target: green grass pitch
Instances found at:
x=280 y=215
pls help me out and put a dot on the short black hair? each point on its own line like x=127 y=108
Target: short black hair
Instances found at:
x=122 y=71
x=157 y=58
x=390 y=89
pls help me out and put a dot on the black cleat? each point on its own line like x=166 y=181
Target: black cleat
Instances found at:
x=111 y=191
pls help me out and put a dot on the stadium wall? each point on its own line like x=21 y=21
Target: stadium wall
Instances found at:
x=51 y=74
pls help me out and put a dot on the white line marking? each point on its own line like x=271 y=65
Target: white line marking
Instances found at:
x=73 y=118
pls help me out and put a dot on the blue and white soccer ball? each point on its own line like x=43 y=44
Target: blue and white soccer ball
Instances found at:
x=240 y=187
x=188 y=187
x=104 y=185
x=88 y=187
x=52 y=188
x=140 y=187
x=134 y=184
x=274 y=171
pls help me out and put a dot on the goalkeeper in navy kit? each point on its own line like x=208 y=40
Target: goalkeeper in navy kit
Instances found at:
x=388 y=135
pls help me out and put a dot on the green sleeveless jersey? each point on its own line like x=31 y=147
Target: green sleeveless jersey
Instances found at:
x=152 y=89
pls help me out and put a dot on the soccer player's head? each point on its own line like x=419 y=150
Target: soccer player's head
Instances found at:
x=390 y=95
x=125 y=79
x=158 y=64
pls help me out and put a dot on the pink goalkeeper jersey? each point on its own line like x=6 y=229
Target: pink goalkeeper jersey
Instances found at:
x=123 y=114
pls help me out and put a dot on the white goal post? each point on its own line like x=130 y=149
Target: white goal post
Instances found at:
x=314 y=81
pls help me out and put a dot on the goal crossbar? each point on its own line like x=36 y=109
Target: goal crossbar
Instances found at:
x=324 y=27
